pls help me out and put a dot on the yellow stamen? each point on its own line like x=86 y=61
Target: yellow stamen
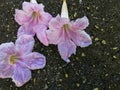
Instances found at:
x=66 y=27
x=13 y=59
x=35 y=14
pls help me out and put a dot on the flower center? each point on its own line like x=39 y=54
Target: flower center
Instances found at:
x=13 y=59
x=66 y=27
x=35 y=14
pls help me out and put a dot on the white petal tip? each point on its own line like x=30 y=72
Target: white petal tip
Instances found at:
x=33 y=1
x=64 y=11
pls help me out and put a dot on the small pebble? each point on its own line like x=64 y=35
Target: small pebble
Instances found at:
x=114 y=57
x=93 y=65
x=103 y=42
x=102 y=30
x=106 y=75
x=66 y=75
x=80 y=1
x=60 y=80
x=96 y=39
x=115 y=48
x=95 y=89
x=96 y=27
x=83 y=54
x=75 y=14
x=77 y=58
x=103 y=19
x=77 y=84
x=88 y=8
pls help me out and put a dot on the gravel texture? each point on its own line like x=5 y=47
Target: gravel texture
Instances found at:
x=96 y=67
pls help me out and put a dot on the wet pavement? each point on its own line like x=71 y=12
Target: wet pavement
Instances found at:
x=96 y=67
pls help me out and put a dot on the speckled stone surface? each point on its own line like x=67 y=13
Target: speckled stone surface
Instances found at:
x=96 y=67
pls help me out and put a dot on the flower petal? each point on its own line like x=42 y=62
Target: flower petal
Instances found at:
x=3 y=56
x=54 y=36
x=29 y=7
x=6 y=71
x=82 y=23
x=34 y=61
x=81 y=38
x=21 y=75
x=57 y=23
x=41 y=34
x=44 y=18
x=55 y=33
x=21 y=17
x=22 y=31
x=8 y=48
x=24 y=44
x=66 y=49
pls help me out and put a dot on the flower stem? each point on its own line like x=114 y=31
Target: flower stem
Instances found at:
x=33 y=1
x=64 y=11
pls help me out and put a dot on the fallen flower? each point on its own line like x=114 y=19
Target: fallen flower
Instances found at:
x=68 y=34
x=16 y=60
x=33 y=20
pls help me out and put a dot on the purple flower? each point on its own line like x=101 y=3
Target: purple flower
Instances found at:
x=16 y=60
x=68 y=34
x=33 y=20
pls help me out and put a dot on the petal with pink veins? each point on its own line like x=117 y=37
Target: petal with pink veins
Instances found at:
x=44 y=18
x=6 y=71
x=22 y=31
x=57 y=23
x=66 y=49
x=27 y=6
x=37 y=7
x=8 y=48
x=21 y=75
x=54 y=36
x=81 y=23
x=41 y=34
x=34 y=61
x=24 y=44
x=81 y=38
x=21 y=17
x=4 y=57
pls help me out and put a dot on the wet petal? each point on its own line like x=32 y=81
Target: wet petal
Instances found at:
x=66 y=49
x=21 y=17
x=34 y=61
x=82 y=23
x=81 y=38
x=21 y=75
x=41 y=34
x=24 y=44
x=23 y=31
x=8 y=48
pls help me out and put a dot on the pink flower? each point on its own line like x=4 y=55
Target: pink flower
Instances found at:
x=16 y=60
x=68 y=34
x=33 y=20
